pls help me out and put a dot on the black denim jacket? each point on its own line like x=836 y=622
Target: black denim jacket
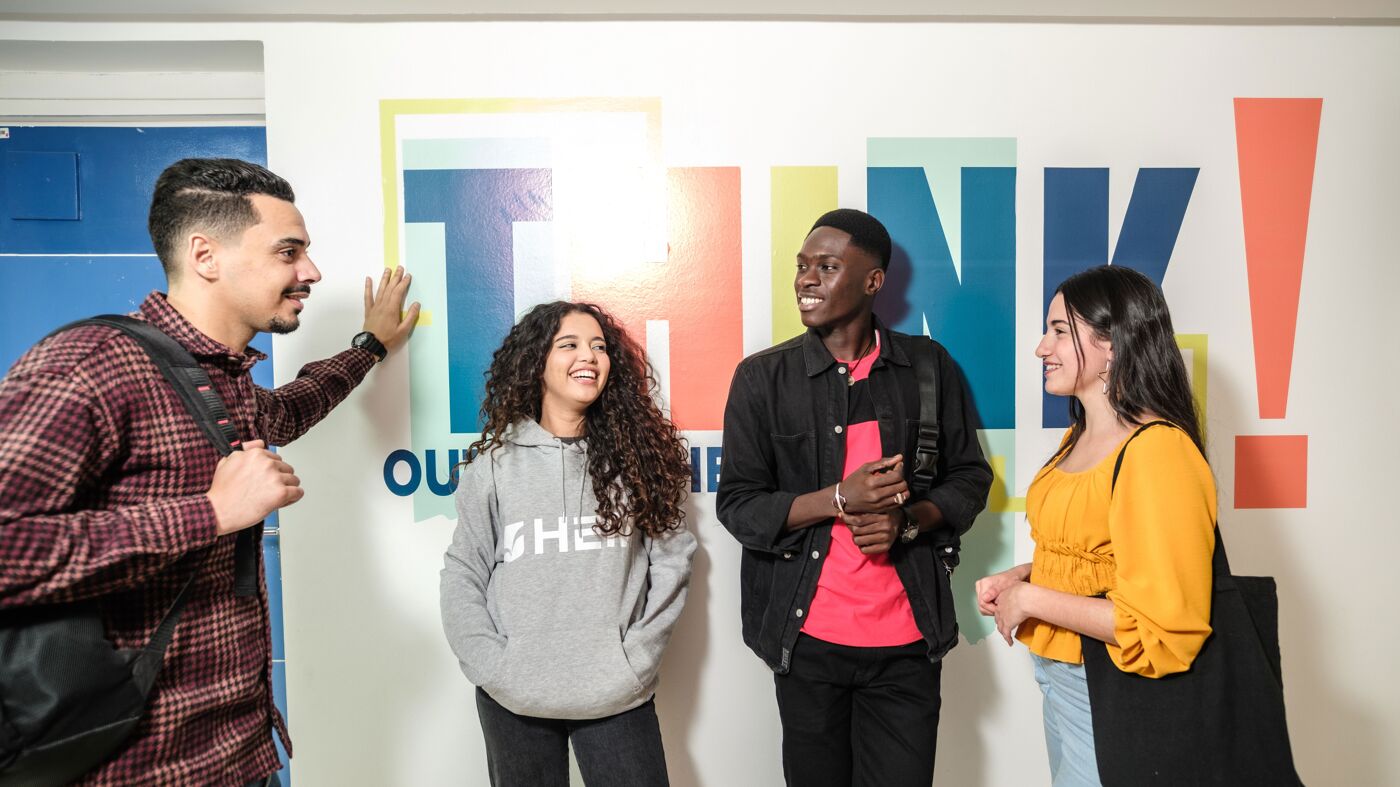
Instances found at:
x=783 y=437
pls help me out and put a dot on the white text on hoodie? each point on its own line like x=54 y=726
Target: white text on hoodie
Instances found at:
x=584 y=538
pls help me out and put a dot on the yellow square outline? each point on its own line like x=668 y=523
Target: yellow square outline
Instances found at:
x=390 y=109
x=1199 y=345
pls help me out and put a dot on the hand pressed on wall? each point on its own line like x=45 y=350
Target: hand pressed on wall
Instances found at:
x=385 y=316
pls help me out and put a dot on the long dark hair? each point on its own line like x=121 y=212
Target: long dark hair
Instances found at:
x=638 y=463
x=1123 y=307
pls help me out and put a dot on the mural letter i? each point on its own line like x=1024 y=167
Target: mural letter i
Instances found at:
x=1277 y=143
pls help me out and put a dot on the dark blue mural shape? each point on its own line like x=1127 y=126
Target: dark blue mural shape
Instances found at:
x=1076 y=233
x=477 y=208
x=974 y=318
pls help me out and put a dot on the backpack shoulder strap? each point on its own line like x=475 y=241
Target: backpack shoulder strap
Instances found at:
x=183 y=372
x=926 y=456
x=196 y=392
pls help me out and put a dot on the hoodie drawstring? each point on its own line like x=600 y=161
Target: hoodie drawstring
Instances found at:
x=564 y=479
x=563 y=482
x=583 y=478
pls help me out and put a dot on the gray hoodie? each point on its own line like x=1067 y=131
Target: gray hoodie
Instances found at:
x=545 y=615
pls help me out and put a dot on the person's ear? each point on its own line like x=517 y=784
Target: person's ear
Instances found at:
x=202 y=257
x=875 y=282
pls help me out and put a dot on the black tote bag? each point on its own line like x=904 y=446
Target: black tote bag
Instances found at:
x=1221 y=722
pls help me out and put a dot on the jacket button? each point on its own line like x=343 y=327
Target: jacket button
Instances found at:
x=799 y=613
x=816 y=554
x=787 y=556
x=838 y=429
x=840 y=370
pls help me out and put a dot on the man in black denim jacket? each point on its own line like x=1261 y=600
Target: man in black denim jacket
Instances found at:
x=867 y=658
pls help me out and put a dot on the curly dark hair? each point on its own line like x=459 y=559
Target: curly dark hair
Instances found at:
x=639 y=465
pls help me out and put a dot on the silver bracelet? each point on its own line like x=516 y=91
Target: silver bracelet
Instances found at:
x=839 y=500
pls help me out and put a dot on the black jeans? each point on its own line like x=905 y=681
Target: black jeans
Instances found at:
x=859 y=717
x=616 y=751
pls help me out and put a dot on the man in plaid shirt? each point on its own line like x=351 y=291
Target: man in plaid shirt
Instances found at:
x=109 y=490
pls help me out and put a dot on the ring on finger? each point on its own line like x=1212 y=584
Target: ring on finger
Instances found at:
x=899 y=498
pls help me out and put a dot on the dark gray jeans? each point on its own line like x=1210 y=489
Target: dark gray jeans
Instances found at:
x=616 y=751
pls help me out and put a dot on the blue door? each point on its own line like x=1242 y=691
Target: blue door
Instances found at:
x=73 y=243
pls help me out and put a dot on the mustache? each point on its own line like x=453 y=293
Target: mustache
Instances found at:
x=303 y=289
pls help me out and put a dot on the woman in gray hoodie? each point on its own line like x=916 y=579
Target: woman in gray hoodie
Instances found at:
x=570 y=561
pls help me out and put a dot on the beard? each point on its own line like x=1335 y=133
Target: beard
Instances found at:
x=279 y=325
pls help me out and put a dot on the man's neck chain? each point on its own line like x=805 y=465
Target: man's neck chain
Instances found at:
x=869 y=347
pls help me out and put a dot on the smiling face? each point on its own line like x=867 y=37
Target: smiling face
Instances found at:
x=1067 y=372
x=576 y=368
x=266 y=274
x=836 y=282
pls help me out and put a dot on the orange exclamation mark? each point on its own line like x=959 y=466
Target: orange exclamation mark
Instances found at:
x=1276 y=140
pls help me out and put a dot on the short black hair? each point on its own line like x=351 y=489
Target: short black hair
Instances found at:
x=207 y=195
x=866 y=231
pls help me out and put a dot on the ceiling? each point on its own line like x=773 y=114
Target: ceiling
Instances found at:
x=147 y=56
x=1274 y=11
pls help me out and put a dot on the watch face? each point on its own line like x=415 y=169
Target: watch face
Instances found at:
x=367 y=341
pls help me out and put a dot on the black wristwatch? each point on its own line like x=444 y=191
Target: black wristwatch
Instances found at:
x=911 y=526
x=368 y=341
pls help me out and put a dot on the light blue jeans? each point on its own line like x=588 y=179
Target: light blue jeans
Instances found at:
x=1069 y=726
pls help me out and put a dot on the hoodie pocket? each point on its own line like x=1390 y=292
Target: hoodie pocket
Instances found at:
x=566 y=675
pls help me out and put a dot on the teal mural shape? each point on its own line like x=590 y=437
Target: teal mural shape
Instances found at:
x=990 y=546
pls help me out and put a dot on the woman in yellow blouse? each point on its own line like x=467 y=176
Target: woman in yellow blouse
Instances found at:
x=1128 y=564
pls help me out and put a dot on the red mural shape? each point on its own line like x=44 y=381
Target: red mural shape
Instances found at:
x=1271 y=471
x=1277 y=144
x=1276 y=140
x=698 y=291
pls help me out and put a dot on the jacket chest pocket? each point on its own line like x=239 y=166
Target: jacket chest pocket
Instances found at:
x=795 y=461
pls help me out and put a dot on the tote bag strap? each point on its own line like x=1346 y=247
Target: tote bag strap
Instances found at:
x=1220 y=563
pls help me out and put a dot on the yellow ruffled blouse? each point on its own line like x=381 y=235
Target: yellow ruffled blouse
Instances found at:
x=1147 y=547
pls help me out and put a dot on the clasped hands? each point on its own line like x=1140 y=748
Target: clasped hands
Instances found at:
x=873 y=496
x=1002 y=596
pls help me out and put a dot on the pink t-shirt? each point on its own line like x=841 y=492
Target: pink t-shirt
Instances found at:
x=860 y=600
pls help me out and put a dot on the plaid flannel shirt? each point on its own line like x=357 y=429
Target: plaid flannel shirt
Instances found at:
x=103 y=476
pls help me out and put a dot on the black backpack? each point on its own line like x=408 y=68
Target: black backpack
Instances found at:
x=68 y=698
x=947 y=543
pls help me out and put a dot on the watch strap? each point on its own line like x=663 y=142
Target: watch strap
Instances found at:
x=368 y=341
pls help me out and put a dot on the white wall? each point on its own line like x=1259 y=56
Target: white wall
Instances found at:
x=375 y=695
